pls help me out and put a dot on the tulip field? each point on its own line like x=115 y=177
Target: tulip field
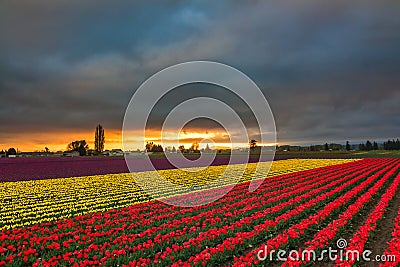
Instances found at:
x=108 y=220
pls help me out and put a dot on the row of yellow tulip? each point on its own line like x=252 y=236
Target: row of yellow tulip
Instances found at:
x=29 y=202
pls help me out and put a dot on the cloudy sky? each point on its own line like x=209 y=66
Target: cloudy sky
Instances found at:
x=329 y=69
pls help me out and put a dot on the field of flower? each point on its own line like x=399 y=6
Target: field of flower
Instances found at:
x=107 y=220
x=29 y=202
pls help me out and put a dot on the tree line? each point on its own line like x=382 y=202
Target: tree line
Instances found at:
x=82 y=147
x=391 y=145
x=367 y=146
x=152 y=147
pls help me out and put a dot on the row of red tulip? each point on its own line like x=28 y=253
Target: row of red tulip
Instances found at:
x=326 y=236
x=294 y=194
x=299 y=229
x=393 y=248
x=360 y=238
x=232 y=244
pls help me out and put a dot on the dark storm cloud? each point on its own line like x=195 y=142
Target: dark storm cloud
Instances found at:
x=329 y=69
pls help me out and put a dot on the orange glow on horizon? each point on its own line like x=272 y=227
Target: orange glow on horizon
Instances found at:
x=27 y=142
x=55 y=141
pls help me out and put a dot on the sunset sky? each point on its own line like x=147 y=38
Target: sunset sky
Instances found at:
x=330 y=70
